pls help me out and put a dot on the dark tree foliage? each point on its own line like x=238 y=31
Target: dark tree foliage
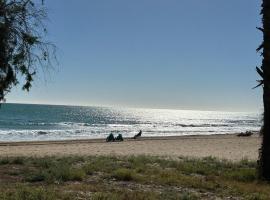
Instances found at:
x=22 y=47
x=264 y=72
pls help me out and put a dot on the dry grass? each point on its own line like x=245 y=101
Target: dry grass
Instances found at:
x=135 y=177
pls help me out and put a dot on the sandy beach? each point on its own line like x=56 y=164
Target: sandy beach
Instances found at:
x=221 y=146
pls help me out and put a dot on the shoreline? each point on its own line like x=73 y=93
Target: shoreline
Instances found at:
x=227 y=146
x=102 y=140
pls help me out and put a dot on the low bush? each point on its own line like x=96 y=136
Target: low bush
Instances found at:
x=123 y=174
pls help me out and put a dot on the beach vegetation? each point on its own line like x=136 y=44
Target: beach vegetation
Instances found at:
x=124 y=174
x=4 y=161
x=17 y=161
x=131 y=177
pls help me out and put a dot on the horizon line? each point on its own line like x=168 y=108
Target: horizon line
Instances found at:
x=128 y=107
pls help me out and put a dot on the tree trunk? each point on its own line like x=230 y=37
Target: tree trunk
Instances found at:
x=265 y=149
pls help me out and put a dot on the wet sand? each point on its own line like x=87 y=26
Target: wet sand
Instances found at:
x=228 y=147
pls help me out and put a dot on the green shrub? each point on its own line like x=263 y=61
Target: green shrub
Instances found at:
x=37 y=177
x=124 y=195
x=4 y=161
x=89 y=169
x=257 y=197
x=76 y=174
x=104 y=196
x=244 y=174
x=28 y=193
x=64 y=172
x=56 y=172
x=18 y=161
x=123 y=174
x=188 y=196
x=44 y=163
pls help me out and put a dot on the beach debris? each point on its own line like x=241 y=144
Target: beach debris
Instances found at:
x=245 y=134
x=119 y=138
x=138 y=135
x=110 y=138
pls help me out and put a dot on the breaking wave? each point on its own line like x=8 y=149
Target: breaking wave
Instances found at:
x=20 y=122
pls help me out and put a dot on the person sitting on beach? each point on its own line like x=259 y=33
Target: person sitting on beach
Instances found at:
x=138 y=135
x=110 y=138
x=119 y=138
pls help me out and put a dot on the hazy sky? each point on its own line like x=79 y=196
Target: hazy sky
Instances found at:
x=183 y=54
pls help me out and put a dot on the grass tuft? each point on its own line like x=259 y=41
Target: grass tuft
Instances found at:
x=4 y=161
x=123 y=174
x=18 y=161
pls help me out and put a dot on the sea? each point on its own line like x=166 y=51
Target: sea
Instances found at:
x=26 y=122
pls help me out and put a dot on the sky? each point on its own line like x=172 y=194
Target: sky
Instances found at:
x=175 y=54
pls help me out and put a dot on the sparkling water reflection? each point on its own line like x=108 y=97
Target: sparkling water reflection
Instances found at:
x=19 y=122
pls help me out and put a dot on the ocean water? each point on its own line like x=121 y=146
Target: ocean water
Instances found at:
x=21 y=122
